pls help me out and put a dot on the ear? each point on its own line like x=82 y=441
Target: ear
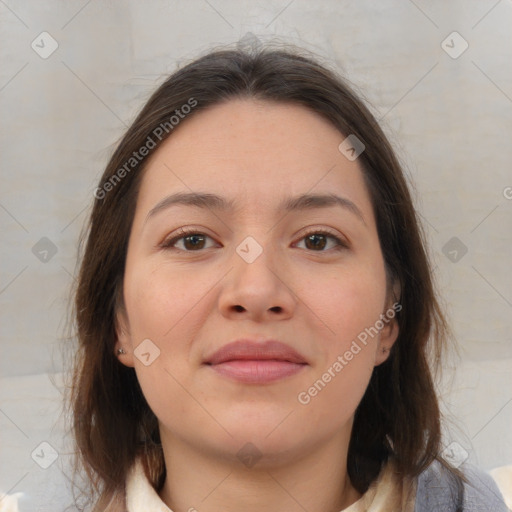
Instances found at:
x=387 y=338
x=123 y=346
x=389 y=333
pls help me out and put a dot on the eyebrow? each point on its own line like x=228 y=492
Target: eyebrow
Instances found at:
x=218 y=203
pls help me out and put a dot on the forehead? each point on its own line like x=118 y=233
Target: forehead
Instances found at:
x=254 y=153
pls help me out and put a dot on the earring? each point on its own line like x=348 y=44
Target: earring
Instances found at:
x=121 y=351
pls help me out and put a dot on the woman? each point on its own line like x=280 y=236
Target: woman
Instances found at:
x=255 y=310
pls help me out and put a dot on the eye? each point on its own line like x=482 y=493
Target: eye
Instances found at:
x=192 y=240
x=315 y=240
x=195 y=241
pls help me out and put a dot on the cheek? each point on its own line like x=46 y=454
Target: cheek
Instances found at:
x=331 y=400
x=347 y=302
x=349 y=305
x=346 y=359
x=161 y=309
x=158 y=301
x=163 y=306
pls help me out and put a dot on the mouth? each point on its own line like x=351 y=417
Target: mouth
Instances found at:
x=253 y=362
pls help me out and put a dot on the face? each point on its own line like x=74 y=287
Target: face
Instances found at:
x=311 y=277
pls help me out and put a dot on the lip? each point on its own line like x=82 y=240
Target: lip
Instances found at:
x=254 y=362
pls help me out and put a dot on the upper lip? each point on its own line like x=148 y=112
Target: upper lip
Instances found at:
x=246 y=349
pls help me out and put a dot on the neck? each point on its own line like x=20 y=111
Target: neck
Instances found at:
x=317 y=481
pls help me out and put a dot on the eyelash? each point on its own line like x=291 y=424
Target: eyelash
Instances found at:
x=183 y=233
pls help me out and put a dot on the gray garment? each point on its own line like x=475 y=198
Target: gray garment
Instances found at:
x=439 y=491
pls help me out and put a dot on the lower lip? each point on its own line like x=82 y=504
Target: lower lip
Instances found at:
x=257 y=371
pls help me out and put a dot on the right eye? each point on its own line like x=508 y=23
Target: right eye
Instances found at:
x=193 y=240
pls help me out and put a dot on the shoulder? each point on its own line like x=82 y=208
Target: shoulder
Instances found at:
x=440 y=490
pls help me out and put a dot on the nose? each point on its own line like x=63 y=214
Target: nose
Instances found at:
x=258 y=290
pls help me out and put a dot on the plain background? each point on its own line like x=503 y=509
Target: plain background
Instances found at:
x=447 y=111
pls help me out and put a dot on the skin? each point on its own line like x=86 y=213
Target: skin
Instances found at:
x=316 y=300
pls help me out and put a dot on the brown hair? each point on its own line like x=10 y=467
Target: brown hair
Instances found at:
x=398 y=416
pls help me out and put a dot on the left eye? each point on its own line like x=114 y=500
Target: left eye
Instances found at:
x=195 y=240
x=319 y=239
